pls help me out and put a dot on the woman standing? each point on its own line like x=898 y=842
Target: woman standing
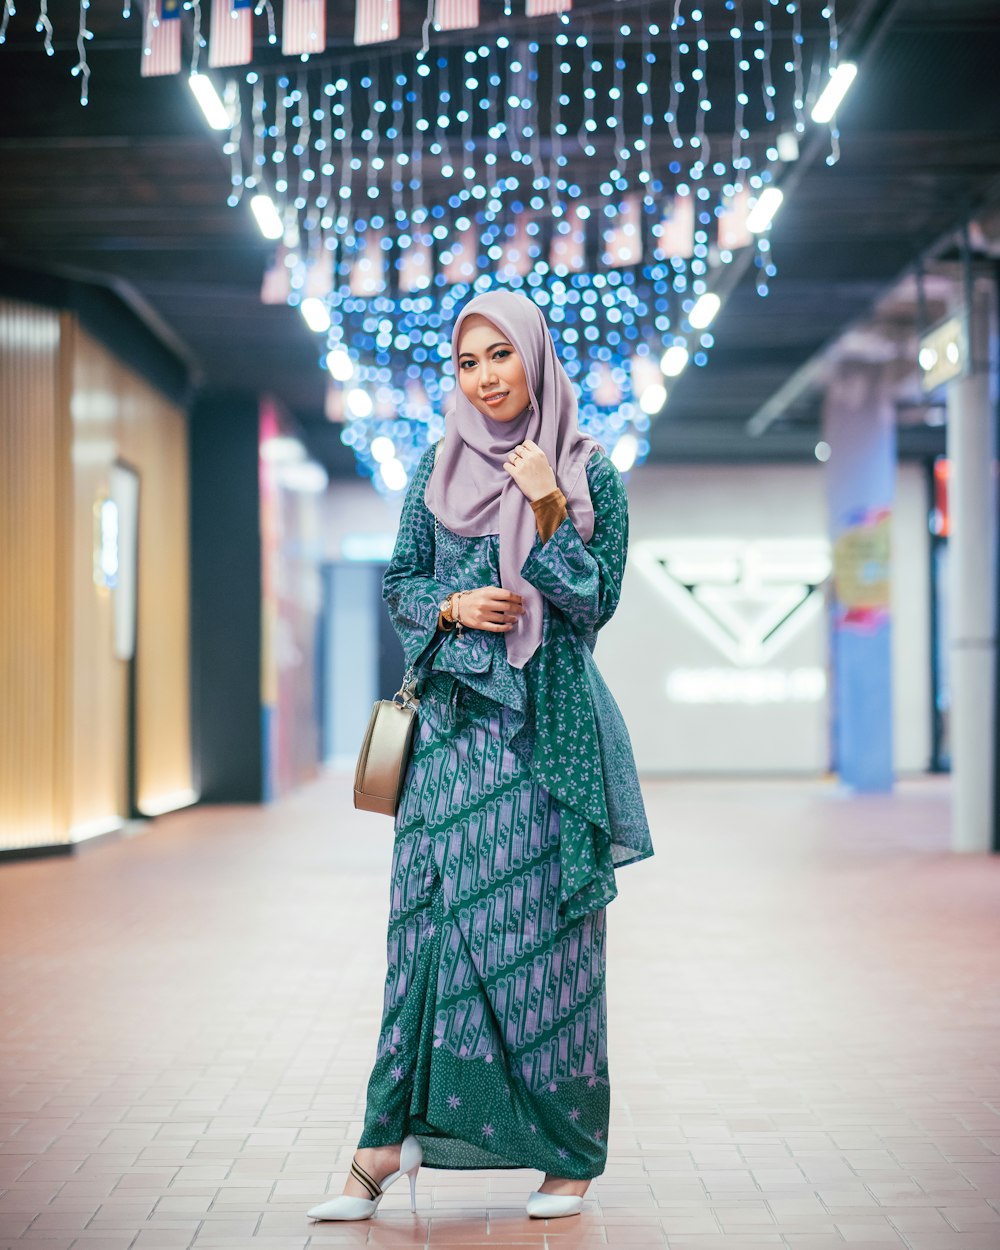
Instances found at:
x=521 y=797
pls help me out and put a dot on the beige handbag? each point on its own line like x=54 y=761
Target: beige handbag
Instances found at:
x=385 y=752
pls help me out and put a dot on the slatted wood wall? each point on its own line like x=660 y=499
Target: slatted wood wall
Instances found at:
x=68 y=410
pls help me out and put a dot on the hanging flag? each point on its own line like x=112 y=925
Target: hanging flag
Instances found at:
x=675 y=234
x=415 y=270
x=303 y=27
x=319 y=274
x=169 y=10
x=161 y=50
x=623 y=239
x=458 y=262
x=456 y=14
x=733 y=232
x=538 y=8
x=230 y=35
x=517 y=256
x=276 y=285
x=368 y=268
x=569 y=240
x=375 y=21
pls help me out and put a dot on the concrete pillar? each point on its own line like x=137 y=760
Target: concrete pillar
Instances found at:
x=860 y=427
x=353 y=601
x=972 y=589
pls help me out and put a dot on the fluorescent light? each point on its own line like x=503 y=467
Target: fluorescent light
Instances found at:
x=340 y=364
x=703 y=313
x=315 y=314
x=762 y=213
x=834 y=92
x=216 y=113
x=307 y=477
x=282 y=449
x=653 y=398
x=674 y=360
x=625 y=451
x=267 y=217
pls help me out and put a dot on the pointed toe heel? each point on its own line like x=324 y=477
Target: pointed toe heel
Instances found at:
x=348 y=1207
x=550 y=1206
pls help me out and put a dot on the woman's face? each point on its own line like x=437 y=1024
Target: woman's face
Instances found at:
x=490 y=371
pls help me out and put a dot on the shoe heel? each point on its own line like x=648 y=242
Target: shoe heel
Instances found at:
x=413 y=1188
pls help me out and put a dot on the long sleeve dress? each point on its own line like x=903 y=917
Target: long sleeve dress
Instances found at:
x=520 y=800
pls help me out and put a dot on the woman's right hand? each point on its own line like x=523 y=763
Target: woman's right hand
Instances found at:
x=491 y=608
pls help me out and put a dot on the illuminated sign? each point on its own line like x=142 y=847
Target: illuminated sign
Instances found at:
x=749 y=598
x=943 y=353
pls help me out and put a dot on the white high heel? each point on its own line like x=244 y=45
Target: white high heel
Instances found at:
x=549 y=1206
x=348 y=1207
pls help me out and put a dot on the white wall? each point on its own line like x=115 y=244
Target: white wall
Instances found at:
x=705 y=684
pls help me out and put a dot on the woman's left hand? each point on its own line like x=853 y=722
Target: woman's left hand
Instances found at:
x=528 y=466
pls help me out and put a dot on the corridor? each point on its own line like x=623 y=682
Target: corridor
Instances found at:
x=804 y=1034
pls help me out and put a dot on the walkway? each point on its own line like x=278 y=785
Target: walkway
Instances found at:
x=804 y=1007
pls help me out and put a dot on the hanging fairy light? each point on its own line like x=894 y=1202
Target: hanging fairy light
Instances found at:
x=397 y=182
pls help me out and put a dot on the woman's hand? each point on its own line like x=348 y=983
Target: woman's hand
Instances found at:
x=491 y=608
x=530 y=469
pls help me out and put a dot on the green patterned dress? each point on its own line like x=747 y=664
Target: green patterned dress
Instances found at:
x=520 y=801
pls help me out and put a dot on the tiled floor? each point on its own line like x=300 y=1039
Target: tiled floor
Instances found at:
x=804 y=1004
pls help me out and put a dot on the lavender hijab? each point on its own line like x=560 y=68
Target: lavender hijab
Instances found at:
x=470 y=491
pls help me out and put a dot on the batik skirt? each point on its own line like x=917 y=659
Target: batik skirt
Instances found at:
x=492 y=1048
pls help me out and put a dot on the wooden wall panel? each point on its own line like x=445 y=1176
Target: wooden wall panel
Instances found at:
x=34 y=617
x=68 y=410
x=116 y=415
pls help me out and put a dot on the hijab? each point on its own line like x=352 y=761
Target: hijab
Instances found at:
x=470 y=491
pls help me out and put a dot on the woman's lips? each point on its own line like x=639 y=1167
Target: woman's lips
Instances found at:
x=498 y=399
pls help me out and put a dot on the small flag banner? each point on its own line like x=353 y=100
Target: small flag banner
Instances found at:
x=277 y=283
x=623 y=239
x=170 y=10
x=733 y=232
x=161 y=51
x=230 y=35
x=459 y=264
x=375 y=21
x=569 y=240
x=539 y=8
x=517 y=257
x=604 y=389
x=368 y=269
x=456 y=14
x=303 y=27
x=319 y=274
x=675 y=234
x=415 y=268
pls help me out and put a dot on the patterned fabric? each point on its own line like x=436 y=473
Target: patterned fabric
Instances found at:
x=520 y=801
x=492 y=1048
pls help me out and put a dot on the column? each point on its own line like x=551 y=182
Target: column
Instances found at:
x=859 y=425
x=972 y=451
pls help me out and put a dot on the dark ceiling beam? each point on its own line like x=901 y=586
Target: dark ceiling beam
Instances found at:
x=793 y=387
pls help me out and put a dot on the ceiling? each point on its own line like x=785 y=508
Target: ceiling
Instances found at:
x=131 y=191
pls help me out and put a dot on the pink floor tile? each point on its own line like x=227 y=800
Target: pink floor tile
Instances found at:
x=804 y=1034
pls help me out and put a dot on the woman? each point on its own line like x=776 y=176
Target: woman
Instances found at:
x=521 y=797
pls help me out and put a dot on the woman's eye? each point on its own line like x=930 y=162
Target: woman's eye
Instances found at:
x=501 y=353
